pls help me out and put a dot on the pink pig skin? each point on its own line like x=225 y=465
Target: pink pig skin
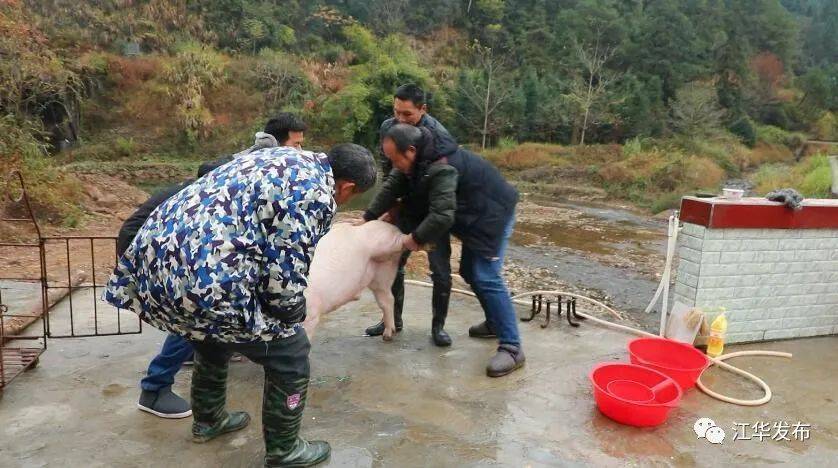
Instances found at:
x=349 y=259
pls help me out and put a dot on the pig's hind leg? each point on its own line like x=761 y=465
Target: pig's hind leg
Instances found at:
x=381 y=286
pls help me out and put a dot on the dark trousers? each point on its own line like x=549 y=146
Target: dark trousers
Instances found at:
x=440 y=262
x=287 y=375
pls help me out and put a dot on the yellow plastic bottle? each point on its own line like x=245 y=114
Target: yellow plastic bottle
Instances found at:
x=716 y=342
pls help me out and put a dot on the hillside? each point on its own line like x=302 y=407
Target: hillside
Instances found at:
x=633 y=100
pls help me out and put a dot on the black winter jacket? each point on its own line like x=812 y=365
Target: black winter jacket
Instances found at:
x=462 y=192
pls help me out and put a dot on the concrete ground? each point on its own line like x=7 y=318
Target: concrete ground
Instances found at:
x=408 y=403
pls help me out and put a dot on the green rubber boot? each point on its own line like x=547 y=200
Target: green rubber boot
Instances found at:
x=203 y=432
x=301 y=455
x=209 y=397
x=282 y=415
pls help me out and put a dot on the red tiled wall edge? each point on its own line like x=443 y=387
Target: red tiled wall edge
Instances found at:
x=758 y=213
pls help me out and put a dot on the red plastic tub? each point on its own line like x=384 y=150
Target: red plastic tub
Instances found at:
x=622 y=401
x=678 y=360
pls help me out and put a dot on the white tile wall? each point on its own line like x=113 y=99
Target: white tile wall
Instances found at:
x=774 y=283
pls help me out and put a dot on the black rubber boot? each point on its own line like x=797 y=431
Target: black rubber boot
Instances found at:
x=439 y=303
x=398 y=306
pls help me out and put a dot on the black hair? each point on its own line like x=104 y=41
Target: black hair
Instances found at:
x=353 y=163
x=415 y=94
x=283 y=123
x=404 y=136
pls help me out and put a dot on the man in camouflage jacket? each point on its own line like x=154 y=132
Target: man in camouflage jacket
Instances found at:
x=224 y=262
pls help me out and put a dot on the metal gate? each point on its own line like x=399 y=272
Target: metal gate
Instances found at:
x=50 y=287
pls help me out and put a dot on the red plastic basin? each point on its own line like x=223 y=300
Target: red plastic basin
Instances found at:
x=678 y=360
x=618 y=404
x=630 y=390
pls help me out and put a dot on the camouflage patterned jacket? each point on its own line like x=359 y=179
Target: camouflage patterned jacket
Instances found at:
x=227 y=257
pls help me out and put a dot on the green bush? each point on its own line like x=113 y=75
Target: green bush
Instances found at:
x=812 y=177
x=745 y=129
x=125 y=146
x=632 y=146
x=826 y=127
x=194 y=70
x=506 y=143
x=777 y=136
x=279 y=77
x=720 y=149
x=817 y=178
x=667 y=201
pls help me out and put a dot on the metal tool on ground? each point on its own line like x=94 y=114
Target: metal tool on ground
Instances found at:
x=570 y=309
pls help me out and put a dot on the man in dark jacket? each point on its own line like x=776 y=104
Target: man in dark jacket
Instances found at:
x=410 y=107
x=465 y=194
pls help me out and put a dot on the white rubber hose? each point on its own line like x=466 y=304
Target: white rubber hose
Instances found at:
x=718 y=361
x=663 y=286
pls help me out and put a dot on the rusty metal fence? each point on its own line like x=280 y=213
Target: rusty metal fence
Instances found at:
x=56 y=293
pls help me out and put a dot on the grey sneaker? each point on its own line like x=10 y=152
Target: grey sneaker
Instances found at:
x=507 y=359
x=164 y=403
x=481 y=330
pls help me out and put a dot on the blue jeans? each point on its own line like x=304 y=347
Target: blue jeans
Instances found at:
x=484 y=276
x=162 y=369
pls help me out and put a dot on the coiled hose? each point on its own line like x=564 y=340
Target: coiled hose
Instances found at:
x=718 y=361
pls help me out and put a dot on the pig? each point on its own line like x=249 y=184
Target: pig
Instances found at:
x=349 y=259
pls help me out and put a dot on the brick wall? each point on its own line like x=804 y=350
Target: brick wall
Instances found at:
x=774 y=283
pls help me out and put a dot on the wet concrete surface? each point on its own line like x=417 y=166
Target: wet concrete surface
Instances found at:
x=408 y=403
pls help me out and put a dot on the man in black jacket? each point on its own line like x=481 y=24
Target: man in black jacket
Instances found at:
x=465 y=194
x=410 y=107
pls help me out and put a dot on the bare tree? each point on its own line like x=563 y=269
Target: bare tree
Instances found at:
x=388 y=15
x=279 y=76
x=589 y=88
x=484 y=98
x=696 y=111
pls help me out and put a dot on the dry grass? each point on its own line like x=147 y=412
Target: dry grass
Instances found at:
x=639 y=166
x=55 y=196
x=129 y=73
x=763 y=153
x=701 y=172
x=527 y=156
